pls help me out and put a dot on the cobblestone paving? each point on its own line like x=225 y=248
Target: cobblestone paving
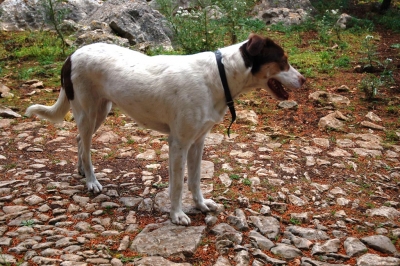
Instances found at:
x=310 y=207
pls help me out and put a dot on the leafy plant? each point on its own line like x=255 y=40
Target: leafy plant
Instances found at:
x=29 y=223
x=234 y=177
x=294 y=221
x=109 y=210
x=161 y=185
x=369 y=85
x=247 y=182
x=204 y=25
x=54 y=13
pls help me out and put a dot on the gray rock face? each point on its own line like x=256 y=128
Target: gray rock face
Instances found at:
x=133 y=20
x=167 y=239
x=19 y=15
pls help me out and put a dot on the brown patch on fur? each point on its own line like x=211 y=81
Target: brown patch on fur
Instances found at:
x=270 y=69
x=259 y=51
x=66 y=81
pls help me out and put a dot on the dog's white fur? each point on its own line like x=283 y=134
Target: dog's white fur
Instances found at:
x=181 y=96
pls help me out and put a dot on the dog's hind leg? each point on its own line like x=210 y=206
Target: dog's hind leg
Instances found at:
x=88 y=120
x=102 y=113
x=177 y=160
x=194 y=174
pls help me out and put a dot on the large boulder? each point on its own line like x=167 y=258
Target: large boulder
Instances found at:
x=19 y=15
x=133 y=20
x=288 y=12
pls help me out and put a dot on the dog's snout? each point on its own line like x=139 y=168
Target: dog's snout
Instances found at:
x=302 y=80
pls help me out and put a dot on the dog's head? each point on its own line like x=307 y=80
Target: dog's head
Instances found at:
x=270 y=67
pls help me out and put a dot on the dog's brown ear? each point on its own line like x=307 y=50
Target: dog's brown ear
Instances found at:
x=255 y=44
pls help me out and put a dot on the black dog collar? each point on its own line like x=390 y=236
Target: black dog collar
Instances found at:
x=228 y=96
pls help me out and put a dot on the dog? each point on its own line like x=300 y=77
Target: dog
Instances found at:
x=180 y=95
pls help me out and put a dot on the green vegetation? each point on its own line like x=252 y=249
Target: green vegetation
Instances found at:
x=234 y=177
x=29 y=223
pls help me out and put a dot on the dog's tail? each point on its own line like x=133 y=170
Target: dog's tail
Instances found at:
x=56 y=112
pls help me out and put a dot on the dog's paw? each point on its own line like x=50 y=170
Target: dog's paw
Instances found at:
x=95 y=186
x=180 y=218
x=207 y=205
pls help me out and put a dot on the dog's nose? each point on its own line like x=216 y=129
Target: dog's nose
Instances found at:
x=302 y=80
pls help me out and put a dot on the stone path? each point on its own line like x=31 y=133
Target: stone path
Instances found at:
x=312 y=210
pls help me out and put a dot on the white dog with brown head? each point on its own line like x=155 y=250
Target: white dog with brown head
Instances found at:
x=181 y=96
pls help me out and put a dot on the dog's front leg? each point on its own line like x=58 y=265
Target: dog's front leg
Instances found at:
x=177 y=161
x=194 y=171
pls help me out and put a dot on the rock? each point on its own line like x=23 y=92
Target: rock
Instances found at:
x=310 y=262
x=213 y=139
x=238 y=220
x=163 y=204
x=3 y=89
x=267 y=260
x=132 y=20
x=23 y=15
x=222 y=261
x=284 y=11
x=375 y=260
x=8 y=113
x=343 y=88
x=260 y=241
x=225 y=231
x=330 y=246
x=380 y=243
x=322 y=142
x=354 y=247
x=372 y=125
x=326 y=98
x=296 y=200
x=148 y=155
x=108 y=137
x=331 y=121
x=308 y=233
x=150 y=261
x=388 y=212
x=247 y=116
x=5 y=123
x=286 y=251
x=225 y=179
x=167 y=239
x=268 y=226
x=242 y=258
x=33 y=200
x=344 y=21
x=373 y=117
x=300 y=242
x=288 y=104
x=303 y=217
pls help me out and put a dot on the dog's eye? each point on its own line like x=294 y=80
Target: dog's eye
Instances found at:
x=284 y=64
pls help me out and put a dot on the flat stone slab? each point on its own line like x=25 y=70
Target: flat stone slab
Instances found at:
x=148 y=261
x=167 y=239
x=162 y=202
